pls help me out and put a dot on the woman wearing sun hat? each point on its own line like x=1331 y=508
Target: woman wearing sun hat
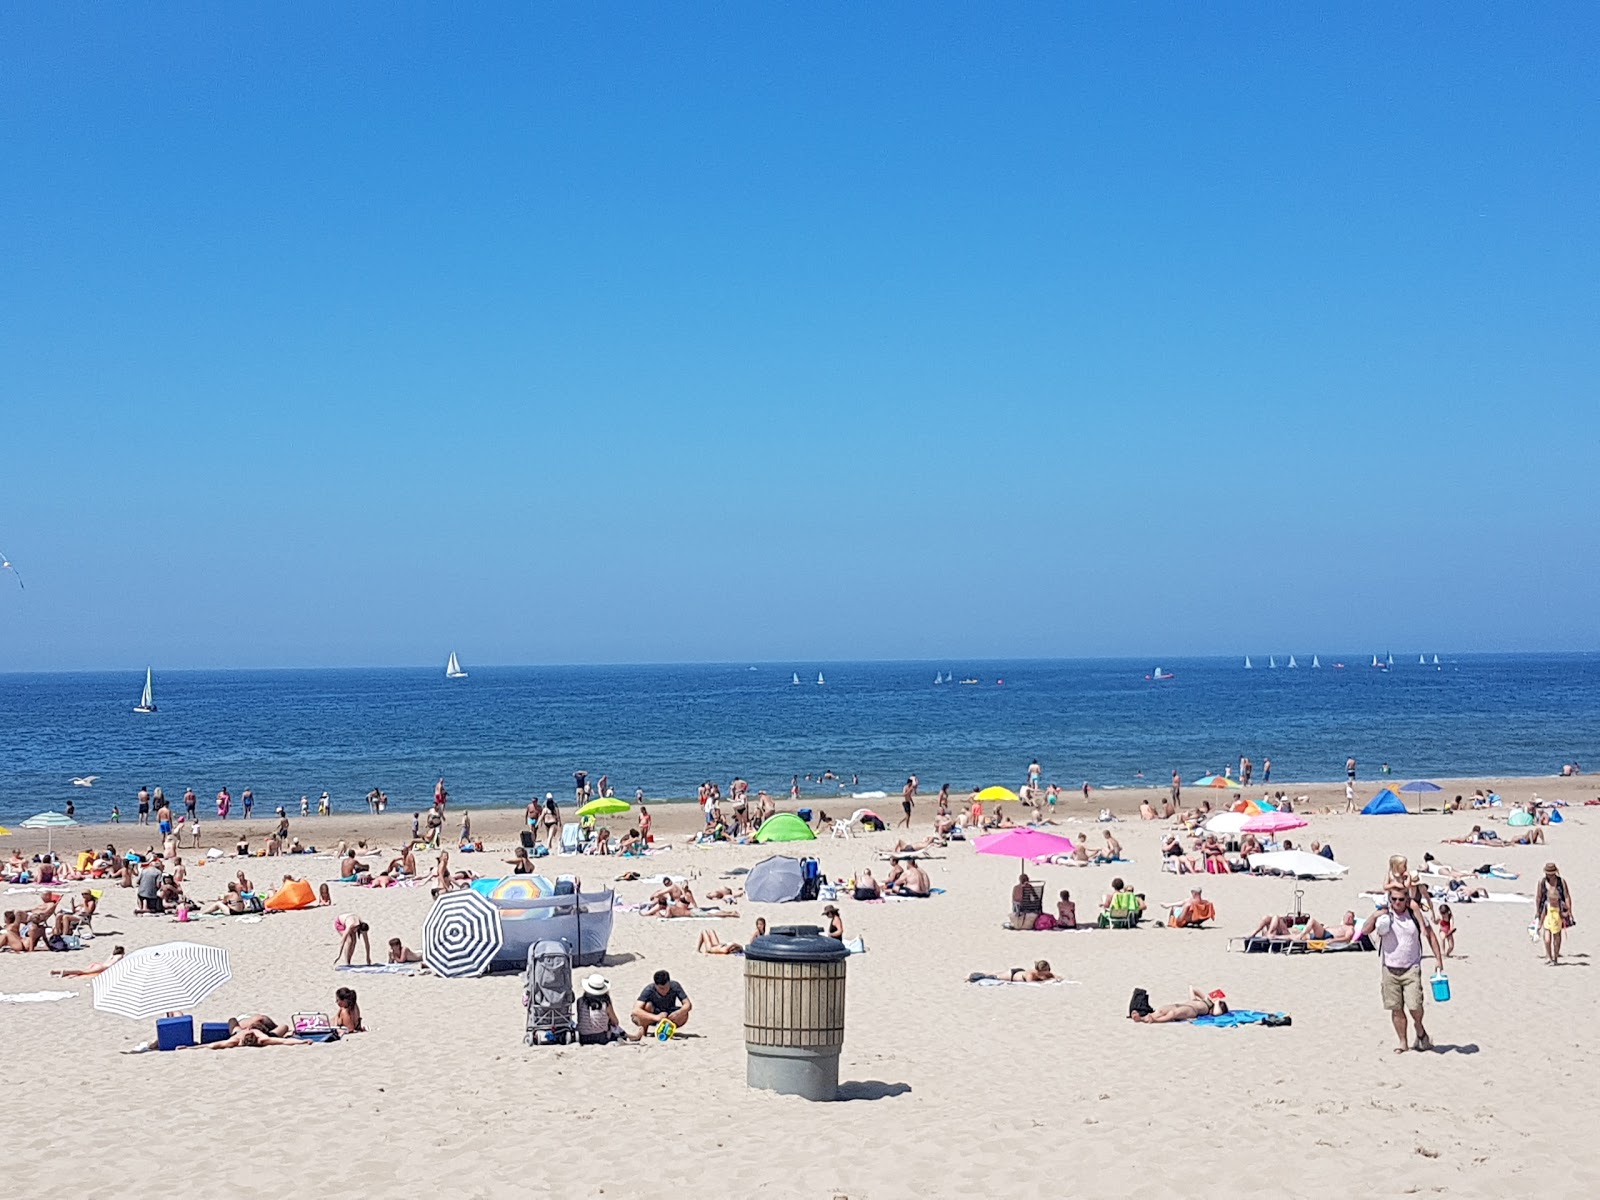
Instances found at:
x=1554 y=903
x=597 y=1019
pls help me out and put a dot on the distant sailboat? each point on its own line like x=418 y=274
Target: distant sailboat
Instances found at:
x=1436 y=660
x=796 y=679
x=1422 y=660
x=452 y=669
x=147 y=699
x=937 y=678
x=1390 y=661
x=1375 y=661
x=1161 y=674
x=820 y=680
x=1316 y=663
x=1292 y=663
x=1247 y=662
x=1272 y=662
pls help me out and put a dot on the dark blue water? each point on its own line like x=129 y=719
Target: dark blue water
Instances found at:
x=508 y=733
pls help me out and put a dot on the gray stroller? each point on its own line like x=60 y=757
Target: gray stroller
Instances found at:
x=547 y=991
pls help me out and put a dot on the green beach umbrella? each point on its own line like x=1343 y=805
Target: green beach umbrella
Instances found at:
x=606 y=806
x=784 y=827
x=50 y=822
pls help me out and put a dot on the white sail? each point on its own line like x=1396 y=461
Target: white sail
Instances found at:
x=1272 y=662
x=796 y=679
x=1422 y=660
x=147 y=698
x=1316 y=663
x=819 y=679
x=1374 y=660
x=452 y=669
x=1436 y=660
x=1247 y=662
x=1390 y=662
x=1292 y=662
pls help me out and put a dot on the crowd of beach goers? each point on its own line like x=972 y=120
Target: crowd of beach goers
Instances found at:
x=964 y=961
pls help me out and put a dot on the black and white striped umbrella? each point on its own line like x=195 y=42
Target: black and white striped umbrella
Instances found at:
x=173 y=977
x=462 y=934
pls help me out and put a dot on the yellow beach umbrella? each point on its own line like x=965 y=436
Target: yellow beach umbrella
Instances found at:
x=996 y=793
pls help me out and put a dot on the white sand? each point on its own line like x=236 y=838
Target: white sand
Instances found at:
x=961 y=1090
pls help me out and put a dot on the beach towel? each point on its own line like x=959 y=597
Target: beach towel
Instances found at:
x=381 y=969
x=1239 y=1016
x=34 y=997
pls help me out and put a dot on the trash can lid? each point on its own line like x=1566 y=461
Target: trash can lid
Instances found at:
x=795 y=943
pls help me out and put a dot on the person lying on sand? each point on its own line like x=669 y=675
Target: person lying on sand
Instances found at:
x=247 y=1038
x=94 y=968
x=709 y=943
x=726 y=893
x=1198 y=1004
x=1040 y=972
x=399 y=952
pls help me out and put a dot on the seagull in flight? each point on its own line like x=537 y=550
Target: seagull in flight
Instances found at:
x=85 y=780
x=5 y=565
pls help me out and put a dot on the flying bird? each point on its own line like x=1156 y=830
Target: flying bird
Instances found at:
x=85 y=780
x=5 y=565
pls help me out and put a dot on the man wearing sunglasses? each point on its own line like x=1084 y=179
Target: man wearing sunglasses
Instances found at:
x=1401 y=930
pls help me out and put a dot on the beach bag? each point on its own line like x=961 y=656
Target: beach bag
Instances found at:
x=1044 y=921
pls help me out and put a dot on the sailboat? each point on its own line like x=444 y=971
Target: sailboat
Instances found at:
x=1161 y=673
x=1422 y=660
x=452 y=669
x=1247 y=662
x=937 y=678
x=820 y=680
x=1316 y=663
x=147 y=700
x=1436 y=660
x=1375 y=661
x=796 y=680
x=1292 y=663
x=1272 y=662
x=1390 y=661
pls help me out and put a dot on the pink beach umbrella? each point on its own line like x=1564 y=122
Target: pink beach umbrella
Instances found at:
x=1273 y=822
x=1032 y=844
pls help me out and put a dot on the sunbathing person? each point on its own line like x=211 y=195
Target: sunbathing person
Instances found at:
x=1066 y=912
x=1476 y=837
x=399 y=952
x=350 y=869
x=1532 y=836
x=1192 y=911
x=901 y=846
x=866 y=886
x=1040 y=972
x=349 y=1018
x=94 y=968
x=1112 y=851
x=710 y=943
x=230 y=904
x=725 y=893
x=911 y=881
x=247 y=1038
x=1198 y=1004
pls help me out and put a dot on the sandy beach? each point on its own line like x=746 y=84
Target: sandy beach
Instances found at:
x=951 y=1089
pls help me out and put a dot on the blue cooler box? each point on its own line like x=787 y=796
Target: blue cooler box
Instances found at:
x=172 y=1032
x=213 y=1031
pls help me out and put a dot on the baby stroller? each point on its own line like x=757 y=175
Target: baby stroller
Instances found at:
x=547 y=992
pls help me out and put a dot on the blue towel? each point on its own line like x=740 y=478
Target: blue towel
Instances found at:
x=1239 y=1016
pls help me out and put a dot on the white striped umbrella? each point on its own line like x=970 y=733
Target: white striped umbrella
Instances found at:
x=462 y=934
x=173 y=977
x=50 y=821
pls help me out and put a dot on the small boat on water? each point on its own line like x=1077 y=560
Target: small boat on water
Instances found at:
x=796 y=680
x=1422 y=660
x=969 y=681
x=452 y=669
x=1272 y=663
x=820 y=680
x=1389 y=662
x=1436 y=660
x=147 y=699
x=1247 y=662
x=1159 y=673
x=1316 y=663
x=1292 y=663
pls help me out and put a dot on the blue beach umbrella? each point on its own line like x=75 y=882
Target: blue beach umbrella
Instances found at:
x=1418 y=786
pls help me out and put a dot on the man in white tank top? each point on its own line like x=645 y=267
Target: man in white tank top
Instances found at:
x=1401 y=930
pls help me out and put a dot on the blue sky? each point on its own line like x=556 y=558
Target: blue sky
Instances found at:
x=610 y=333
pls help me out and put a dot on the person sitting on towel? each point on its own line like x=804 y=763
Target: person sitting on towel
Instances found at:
x=909 y=880
x=866 y=886
x=1066 y=912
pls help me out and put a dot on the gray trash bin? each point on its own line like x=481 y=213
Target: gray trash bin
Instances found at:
x=794 y=1011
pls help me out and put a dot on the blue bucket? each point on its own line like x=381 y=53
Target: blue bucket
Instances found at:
x=1440 y=982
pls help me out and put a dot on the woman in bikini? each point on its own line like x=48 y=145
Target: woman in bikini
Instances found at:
x=1199 y=1004
x=1039 y=973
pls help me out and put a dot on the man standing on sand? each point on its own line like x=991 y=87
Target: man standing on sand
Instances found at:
x=1177 y=788
x=1266 y=770
x=248 y=799
x=1034 y=774
x=1401 y=930
x=144 y=806
x=907 y=800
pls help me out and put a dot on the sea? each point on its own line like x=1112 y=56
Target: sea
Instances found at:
x=505 y=734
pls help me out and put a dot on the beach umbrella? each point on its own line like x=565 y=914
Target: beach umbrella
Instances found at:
x=1300 y=863
x=172 y=977
x=1216 y=781
x=1273 y=822
x=461 y=935
x=1031 y=844
x=606 y=806
x=1228 y=822
x=996 y=794
x=784 y=827
x=1418 y=786
x=49 y=821
x=4 y=832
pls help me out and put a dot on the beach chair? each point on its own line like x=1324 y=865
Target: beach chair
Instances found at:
x=1123 y=913
x=571 y=838
x=841 y=829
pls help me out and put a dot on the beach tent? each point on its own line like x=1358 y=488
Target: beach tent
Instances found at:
x=775 y=880
x=784 y=827
x=295 y=894
x=1384 y=804
x=529 y=915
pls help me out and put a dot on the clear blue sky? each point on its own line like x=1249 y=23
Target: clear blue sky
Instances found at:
x=616 y=332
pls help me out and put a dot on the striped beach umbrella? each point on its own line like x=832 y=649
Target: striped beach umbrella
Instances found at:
x=173 y=977
x=461 y=935
x=49 y=821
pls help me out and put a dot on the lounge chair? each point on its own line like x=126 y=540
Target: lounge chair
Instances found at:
x=1123 y=913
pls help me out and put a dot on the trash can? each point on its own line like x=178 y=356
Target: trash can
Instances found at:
x=794 y=1011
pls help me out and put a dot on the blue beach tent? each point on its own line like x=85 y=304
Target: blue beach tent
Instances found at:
x=1384 y=804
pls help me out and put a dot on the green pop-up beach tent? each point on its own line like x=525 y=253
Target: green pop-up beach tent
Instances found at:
x=784 y=827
